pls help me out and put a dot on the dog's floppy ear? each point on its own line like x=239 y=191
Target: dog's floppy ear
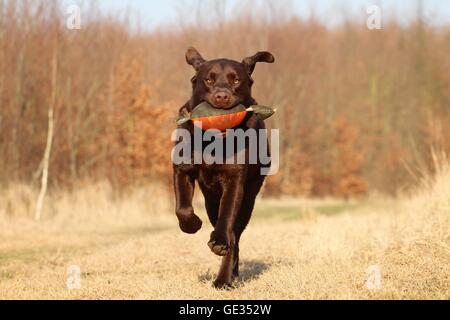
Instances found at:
x=262 y=56
x=194 y=58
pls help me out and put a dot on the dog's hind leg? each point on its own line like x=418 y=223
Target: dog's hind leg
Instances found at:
x=212 y=203
x=225 y=276
x=251 y=191
x=222 y=241
x=230 y=262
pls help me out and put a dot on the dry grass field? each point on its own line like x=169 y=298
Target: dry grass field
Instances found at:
x=293 y=249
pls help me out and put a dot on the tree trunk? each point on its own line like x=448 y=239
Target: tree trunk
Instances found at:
x=48 y=146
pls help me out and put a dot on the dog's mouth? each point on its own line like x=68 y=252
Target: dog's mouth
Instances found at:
x=233 y=102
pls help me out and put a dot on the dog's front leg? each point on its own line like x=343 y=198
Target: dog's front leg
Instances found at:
x=184 y=191
x=223 y=238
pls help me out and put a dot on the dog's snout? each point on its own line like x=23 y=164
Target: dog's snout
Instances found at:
x=222 y=98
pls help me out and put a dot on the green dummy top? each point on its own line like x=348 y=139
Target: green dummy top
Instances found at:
x=205 y=110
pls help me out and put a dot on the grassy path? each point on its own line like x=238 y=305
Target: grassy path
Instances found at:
x=292 y=250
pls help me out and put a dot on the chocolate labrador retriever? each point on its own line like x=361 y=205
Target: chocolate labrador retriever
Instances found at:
x=229 y=189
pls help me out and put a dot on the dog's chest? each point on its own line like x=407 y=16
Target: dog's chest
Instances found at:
x=214 y=177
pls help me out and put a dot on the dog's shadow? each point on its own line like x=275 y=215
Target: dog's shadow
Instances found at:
x=248 y=271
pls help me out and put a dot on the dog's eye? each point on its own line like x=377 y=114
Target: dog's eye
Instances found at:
x=209 y=81
x=236 y=81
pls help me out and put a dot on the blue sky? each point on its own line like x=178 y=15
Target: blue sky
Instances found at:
x=154 y=13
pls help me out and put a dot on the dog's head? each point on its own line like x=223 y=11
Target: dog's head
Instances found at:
x=223 y=83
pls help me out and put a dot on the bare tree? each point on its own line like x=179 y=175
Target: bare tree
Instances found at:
x=48 y=146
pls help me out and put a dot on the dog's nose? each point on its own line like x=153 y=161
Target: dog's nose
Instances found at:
x=222 y=98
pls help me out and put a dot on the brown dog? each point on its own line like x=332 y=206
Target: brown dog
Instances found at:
x=229 y=189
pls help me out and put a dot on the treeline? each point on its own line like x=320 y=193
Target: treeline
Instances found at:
x=359 y=110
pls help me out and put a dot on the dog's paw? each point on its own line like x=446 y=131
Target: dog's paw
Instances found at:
x=189 y=223
x=222 y=284
x=218 y=245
